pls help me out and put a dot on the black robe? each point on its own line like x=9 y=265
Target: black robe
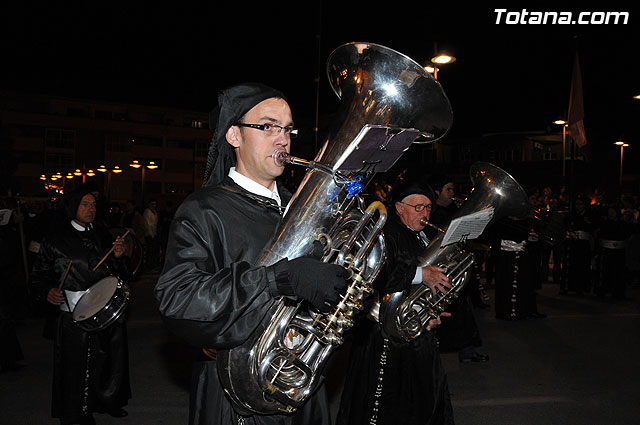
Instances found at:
x=612 y=268
x=515 y=296
x=91 y=370
x=577 y=262
x=395 y=382
x=211 y=294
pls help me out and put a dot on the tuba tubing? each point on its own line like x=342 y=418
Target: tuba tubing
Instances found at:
x=278 y=368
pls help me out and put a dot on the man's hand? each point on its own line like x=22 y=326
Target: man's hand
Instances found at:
x=435 y=322
x=435 y=278
x=118 y=245
x=55 y=296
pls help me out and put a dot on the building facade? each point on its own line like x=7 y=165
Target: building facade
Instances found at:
x=45 y=136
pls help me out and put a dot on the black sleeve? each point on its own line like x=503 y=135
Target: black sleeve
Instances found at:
x=201 y=299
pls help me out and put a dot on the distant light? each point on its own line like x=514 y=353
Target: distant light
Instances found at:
x=135 y=164
x=620 y=143
x=43 y=177
x=560 y=122
x=443 y=58
x=430 y=69
x=102 y=169
x=70 y=176
x=90 y=173
x=636 y=96
x=116 y=169
x=77 y=173
x=152 y=165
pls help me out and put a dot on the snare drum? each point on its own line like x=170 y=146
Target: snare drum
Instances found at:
x=101 y=305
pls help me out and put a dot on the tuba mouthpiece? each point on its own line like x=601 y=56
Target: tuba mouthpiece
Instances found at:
x=280 y=157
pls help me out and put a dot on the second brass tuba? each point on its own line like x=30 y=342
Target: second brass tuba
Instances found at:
x=405 y=315
x=383 y=93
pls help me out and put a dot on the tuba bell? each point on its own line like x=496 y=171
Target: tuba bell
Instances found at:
x=404 y=315
x=387 y=102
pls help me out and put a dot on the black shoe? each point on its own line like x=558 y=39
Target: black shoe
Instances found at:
x=475 y=358
x=117 y=413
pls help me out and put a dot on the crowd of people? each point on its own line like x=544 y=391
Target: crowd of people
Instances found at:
x=212 y=292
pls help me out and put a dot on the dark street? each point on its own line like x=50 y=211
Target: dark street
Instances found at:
x=577 y=366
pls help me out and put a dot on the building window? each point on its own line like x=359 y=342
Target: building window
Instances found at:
x=202 y=149
x=117 y=143
x=182 y=144
x=177 y=166
x=57 y=138
x=77 y=112
x=175 y=187
x=148 y=141
x=58 y=162
x=103 y=115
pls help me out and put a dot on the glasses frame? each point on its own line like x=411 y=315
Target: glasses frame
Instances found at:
x=417 y=206
x=288 y=130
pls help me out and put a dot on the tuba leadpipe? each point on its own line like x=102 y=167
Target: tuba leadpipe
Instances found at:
x=280 y=366
x=426 y=222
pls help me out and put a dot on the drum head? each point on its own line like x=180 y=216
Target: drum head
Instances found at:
x=132 y=249
x=95 y=299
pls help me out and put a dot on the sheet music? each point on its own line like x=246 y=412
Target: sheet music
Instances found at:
x=468 y=226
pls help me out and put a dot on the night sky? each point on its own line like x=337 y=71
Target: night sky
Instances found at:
x=506 y=77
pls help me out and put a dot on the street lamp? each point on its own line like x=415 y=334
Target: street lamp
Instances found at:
x=622 y=146
x=104 y=169
x=564 y=124
x=440 y=57
x=136 y=164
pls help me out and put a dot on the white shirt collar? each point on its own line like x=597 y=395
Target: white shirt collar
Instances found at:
x=253 y=187
x=77 y=226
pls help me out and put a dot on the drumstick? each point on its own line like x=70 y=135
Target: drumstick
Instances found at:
x=109 y=253
x=64 y=276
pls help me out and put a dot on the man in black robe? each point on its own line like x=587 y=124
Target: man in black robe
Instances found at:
x=211 y=292
x=391 y=382
x=578 y=252
x=460 y=332
x=91 y=370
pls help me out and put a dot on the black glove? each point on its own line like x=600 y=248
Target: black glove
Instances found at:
x=312 y=280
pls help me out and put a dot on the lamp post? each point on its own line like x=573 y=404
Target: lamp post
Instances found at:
x=564 y=124
x=622 y=146
x=136 y=164
x=103 y=169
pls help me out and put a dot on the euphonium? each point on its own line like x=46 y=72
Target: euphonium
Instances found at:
x=382 y=91
x=405 y=315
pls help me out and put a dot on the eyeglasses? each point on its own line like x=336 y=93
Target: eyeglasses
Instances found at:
x=272 y=129
x=419 y=207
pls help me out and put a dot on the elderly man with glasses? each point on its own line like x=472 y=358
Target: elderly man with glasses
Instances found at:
x=211 y=292
x=390 y=382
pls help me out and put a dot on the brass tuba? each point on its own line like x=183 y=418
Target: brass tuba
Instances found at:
x=387 y=102
x=404 y=316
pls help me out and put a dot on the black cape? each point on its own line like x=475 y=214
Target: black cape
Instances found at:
x=211 y=294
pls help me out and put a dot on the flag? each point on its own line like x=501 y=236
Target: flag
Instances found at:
x=576 y=107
